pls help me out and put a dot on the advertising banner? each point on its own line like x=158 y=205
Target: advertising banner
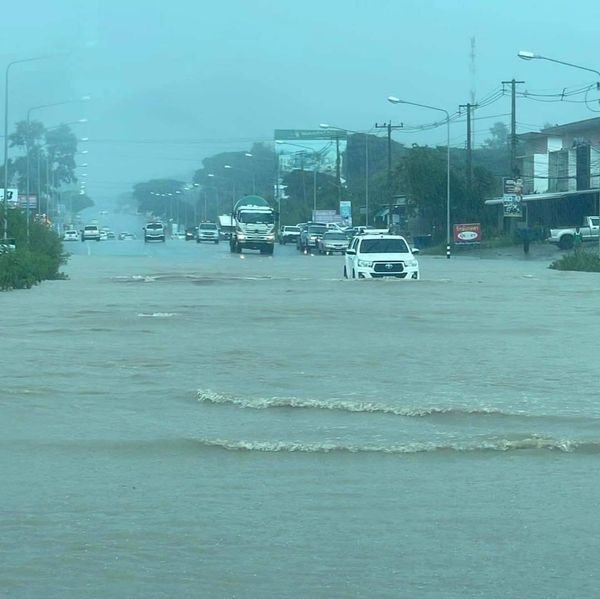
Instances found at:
x=309 y=149
x=467 y=233
x=325 y=216
x=32 y=201
x=346 y=212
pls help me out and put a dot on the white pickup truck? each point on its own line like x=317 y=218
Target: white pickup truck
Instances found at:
x=564 y=237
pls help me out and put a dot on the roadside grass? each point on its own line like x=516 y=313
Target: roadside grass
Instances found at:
x=579 y=260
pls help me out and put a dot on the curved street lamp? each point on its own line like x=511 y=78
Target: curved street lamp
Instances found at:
x=527 y=55
x=395 y=100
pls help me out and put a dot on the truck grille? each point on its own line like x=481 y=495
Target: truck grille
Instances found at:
x=386 y=268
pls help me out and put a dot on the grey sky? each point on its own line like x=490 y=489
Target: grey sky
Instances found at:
x=202 y=77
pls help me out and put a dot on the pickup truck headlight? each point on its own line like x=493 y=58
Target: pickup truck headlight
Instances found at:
x=412 y=263
x=270 y=237
x=365 y=263
x=241 y=236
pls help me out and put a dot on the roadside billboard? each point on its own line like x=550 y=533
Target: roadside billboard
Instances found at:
x=346 y=212
x=12 y=197
x=512 y=197
x=467 y=233
x=326 y=216
x=309 y=149
x=23 y=201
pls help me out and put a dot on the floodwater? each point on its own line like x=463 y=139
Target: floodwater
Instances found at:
x=181 y=422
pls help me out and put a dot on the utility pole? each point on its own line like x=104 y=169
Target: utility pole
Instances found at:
x=513 y=126
x=389 y=128
x=337 y=168
x=469 y=173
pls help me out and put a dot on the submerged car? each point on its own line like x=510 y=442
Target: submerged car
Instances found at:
x=191 y=233
x=332 y=242
x=310 y=236
x=154 y=232
x=71 y=235
x=289 y=234
x=380 y=256
x=208 y=232
x=90 y=232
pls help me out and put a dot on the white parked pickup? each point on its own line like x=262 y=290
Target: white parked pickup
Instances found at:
x=564 y=237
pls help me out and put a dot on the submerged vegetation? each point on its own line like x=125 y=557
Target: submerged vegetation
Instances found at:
x=29 y=264
x=579 y=261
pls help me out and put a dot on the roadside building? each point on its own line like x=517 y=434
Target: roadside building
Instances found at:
x=559 y=168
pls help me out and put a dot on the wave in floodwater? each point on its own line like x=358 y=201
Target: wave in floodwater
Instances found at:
x=157 y=315
x=531 y=442
x=261 y=403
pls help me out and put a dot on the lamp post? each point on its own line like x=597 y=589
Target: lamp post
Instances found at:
x=395 y=100
x=366 y=134
x=6 y=74
x=315 y=170
x=527 y=55
x=28 y=148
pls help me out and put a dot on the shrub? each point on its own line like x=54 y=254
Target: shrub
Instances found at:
x=28 y=266
x=579 y=261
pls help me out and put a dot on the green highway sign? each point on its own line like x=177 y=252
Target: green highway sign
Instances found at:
x=308 y=134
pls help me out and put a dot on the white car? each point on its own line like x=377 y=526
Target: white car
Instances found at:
x=71 y=235
x=154 y=232
x=208 y=232
x=380 y=256
x=90 y=232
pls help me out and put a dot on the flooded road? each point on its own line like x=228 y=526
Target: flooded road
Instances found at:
x=178 y=421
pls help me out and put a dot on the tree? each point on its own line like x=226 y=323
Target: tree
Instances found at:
x=499 y=139
x=51 y=155
x=160 y=197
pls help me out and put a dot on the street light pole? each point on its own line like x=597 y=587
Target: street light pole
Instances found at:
x=10 y=64
x=28 y=147
x=366 y=134
x=395 y=100
x=527 y=55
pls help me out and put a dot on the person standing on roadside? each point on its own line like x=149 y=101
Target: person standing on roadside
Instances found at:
x=577 y=239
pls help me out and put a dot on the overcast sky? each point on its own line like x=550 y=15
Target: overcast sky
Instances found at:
x=173 y=84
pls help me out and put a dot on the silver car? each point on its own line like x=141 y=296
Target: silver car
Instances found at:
x=333 y=241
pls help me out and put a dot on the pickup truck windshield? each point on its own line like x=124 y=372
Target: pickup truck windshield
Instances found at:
x=208 y=227
x=383 y=246
x=154 y=226
x=264 y=218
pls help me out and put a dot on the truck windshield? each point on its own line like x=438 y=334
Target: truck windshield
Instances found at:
x=154 y=226
x=208 y=227
x=265 y=218
x=383 y=246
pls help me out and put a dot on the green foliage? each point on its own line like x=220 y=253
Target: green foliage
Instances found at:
x=579 y=261
x=499 y=138
x=49 y=157
x=300 y=186
x=75 y=201
x=161 y=197
x=28 y=266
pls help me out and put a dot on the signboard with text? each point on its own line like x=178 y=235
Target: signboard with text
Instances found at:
x=467 y=233
x=12 y=197
x=512 y=197
x=24 y=201
x=346 y=212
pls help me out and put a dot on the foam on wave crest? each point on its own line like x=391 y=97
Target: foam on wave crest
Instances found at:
x=261 y=403
x=500 y=445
